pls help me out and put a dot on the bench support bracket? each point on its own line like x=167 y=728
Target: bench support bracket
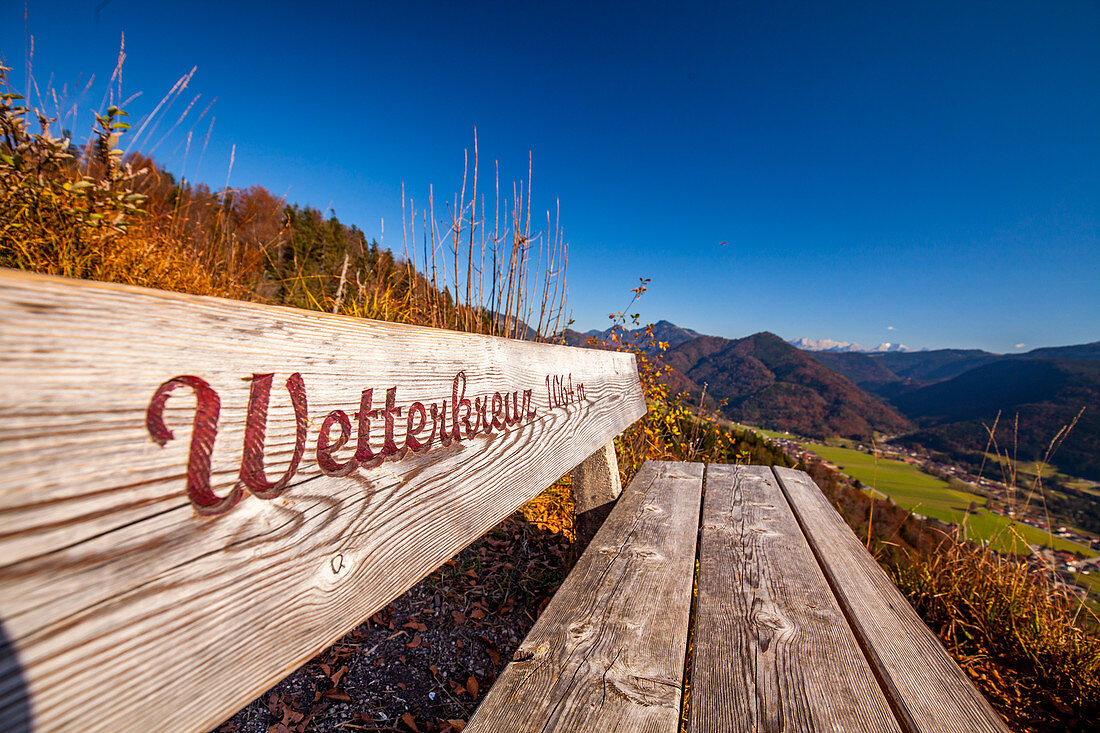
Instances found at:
x=596 y=486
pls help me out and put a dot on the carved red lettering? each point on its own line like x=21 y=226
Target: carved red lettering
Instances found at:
x=329 y=465
x=458 y=401
x=481 y=421
x=204 y=429
x=498 y=411
x=389 y=447
x=439 y=419
x=411 y=443
x=511 y=410
x=469 y=417
x=527 y=409
x=252 y=473
x=363 y=453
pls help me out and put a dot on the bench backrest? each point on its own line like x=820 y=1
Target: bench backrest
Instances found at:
x=200 y=494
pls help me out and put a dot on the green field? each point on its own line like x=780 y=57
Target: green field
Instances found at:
x=762 y=431
x=1028 y=471
x=1090 y=581
x=910 y=488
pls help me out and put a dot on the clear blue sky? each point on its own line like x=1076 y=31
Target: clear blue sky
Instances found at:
x=934 y=167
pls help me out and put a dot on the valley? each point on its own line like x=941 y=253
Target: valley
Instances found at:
x=983 y=510
x=963 y=434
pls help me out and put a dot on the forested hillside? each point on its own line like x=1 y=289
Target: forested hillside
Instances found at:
x=1035 y=398
x=763 y=380
x=953 y=395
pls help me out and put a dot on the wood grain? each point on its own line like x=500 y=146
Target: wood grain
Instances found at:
x=596 y=480
x=608 y=652
x=123 y=606
x=928 y=691
x=772 y=650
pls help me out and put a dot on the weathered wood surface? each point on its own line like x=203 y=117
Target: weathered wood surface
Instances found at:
x=608 y=652
x=772 y=649
x=130 y=599
x=596 y=485
x=927 y=690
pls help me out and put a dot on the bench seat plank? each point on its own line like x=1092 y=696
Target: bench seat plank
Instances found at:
x=928 y=690
x=608 y=652
x=772 y=650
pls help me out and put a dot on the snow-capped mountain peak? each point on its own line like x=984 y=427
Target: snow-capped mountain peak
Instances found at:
x=807 y=344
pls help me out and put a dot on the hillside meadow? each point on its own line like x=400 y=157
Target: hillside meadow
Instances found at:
x=912 y=489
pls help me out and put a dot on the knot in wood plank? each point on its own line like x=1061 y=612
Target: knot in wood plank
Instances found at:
x=643 y=691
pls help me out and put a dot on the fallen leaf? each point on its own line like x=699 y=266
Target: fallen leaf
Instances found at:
x=494 y=656
x=477 y=613
x=434 y=670
x=414 y=643
x=459 y=617
x=339 y=675
x=471 y=687
x=339 y=695
x=409 y=720
x=458 y=725
x=291 y=716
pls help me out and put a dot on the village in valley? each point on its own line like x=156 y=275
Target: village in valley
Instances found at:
x=1075 y=570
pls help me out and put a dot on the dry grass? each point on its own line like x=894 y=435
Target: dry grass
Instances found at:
x=92 y=211
x=1022 y=640
x=1029 y=644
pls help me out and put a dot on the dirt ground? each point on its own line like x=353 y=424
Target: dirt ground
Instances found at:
x=424 y=662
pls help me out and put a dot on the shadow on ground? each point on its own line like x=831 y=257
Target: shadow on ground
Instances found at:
x=424 y=662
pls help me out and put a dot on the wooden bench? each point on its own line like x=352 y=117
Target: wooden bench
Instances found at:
x=795 y=626
x=199 y=495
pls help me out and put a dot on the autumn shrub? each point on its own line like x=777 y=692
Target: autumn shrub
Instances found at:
x=58 y=204
x=77 y=211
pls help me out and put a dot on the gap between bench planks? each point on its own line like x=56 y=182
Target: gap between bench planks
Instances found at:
x=796 y=627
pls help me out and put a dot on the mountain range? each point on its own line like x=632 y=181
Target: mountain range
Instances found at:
x=939 y=399
x=663 y=331
x=845 y=346
x=763 y=380
x=950 y=394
